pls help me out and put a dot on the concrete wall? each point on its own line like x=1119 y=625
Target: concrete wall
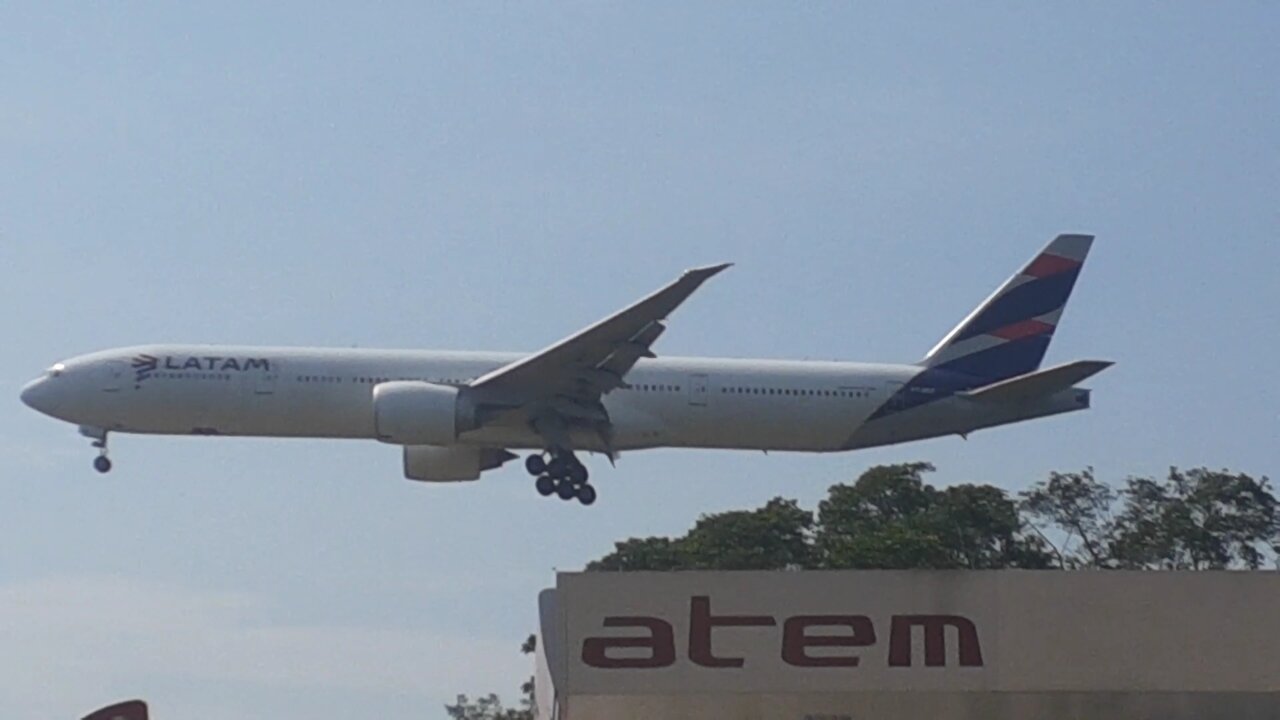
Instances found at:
x=947 y=645
x=930 y=706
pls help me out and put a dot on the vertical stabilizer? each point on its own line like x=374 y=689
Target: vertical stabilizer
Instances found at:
x=1008 y=334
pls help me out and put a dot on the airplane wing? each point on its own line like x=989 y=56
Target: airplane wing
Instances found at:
x=570 y=376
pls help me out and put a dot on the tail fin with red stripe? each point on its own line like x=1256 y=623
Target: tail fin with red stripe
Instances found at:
x=1008 y=334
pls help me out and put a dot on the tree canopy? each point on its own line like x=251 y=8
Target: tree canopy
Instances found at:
x=888 y=518
x=891 y=518
x=1196 y=519
x=488 y=707
x=777 y=535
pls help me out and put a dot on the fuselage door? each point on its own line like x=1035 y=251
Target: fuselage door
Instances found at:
x=698 y=389
x=112 y=374
x=264 y=381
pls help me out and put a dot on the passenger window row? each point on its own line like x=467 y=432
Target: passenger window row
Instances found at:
x=639 y=387
x=794 y=392
x=643 y=387
x=373 y=380
x=191 y=375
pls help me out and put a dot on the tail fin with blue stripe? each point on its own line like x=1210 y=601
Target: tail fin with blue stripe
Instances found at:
x=1008 y=334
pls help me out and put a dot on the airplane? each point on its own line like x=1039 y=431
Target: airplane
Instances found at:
x=601 y=390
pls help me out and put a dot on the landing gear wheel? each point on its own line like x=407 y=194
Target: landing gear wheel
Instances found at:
x=545 y=485
x=561 y=473
x=102 y=464
x=535 y=465
x=558 y=467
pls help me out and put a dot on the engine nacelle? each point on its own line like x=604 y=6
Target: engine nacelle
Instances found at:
x=450 y=464
x=409 y=412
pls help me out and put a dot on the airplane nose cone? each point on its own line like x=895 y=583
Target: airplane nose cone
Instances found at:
x=37 y=396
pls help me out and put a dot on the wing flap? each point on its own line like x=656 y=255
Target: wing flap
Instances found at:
x=618 y=362
x=1039 y=383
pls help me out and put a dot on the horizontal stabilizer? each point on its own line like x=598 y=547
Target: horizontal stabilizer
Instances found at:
x=1039 y=383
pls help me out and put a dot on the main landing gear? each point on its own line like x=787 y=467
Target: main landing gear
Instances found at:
x=563 y=475
x=102 y=463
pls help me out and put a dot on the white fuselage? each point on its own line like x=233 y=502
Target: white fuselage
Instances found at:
x=327 y=393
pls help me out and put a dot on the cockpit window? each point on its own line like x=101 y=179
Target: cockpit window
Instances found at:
x=56 y=370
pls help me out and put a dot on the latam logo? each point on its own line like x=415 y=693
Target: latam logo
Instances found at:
x=838 y=635
x=144 y=365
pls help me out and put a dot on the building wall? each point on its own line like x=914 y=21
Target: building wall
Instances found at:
x=866 y=644
x=933 y=706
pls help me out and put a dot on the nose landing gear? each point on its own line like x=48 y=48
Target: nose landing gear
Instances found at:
x=102 y=463
x=563 y=476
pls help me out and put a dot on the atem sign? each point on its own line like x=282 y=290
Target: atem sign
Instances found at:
x=807 y=641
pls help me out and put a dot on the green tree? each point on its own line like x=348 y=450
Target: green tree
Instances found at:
x=1197 y=519
x=880 y=521
x=1080 y=507
x=652 y=553
x=890 y=518
x=489 y=707
x=987 y=530
x=773 y=537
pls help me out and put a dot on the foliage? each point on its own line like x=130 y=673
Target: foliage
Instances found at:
x=490 y=707
x=1197 y=520
x=1079 y=505
x=652 y=553
x=776 y=536
x=891 y=519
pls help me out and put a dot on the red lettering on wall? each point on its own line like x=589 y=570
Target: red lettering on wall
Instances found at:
x=935 y=640
x=796 y=639
x=801 y=635
x=702 y=622
x=661 y=644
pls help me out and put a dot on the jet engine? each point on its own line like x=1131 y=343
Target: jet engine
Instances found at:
x=409 y=412
x=430 y=463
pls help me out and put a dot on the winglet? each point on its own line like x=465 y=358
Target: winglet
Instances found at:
x=703 y=273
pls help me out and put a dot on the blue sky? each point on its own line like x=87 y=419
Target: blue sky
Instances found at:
x=496 y=176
